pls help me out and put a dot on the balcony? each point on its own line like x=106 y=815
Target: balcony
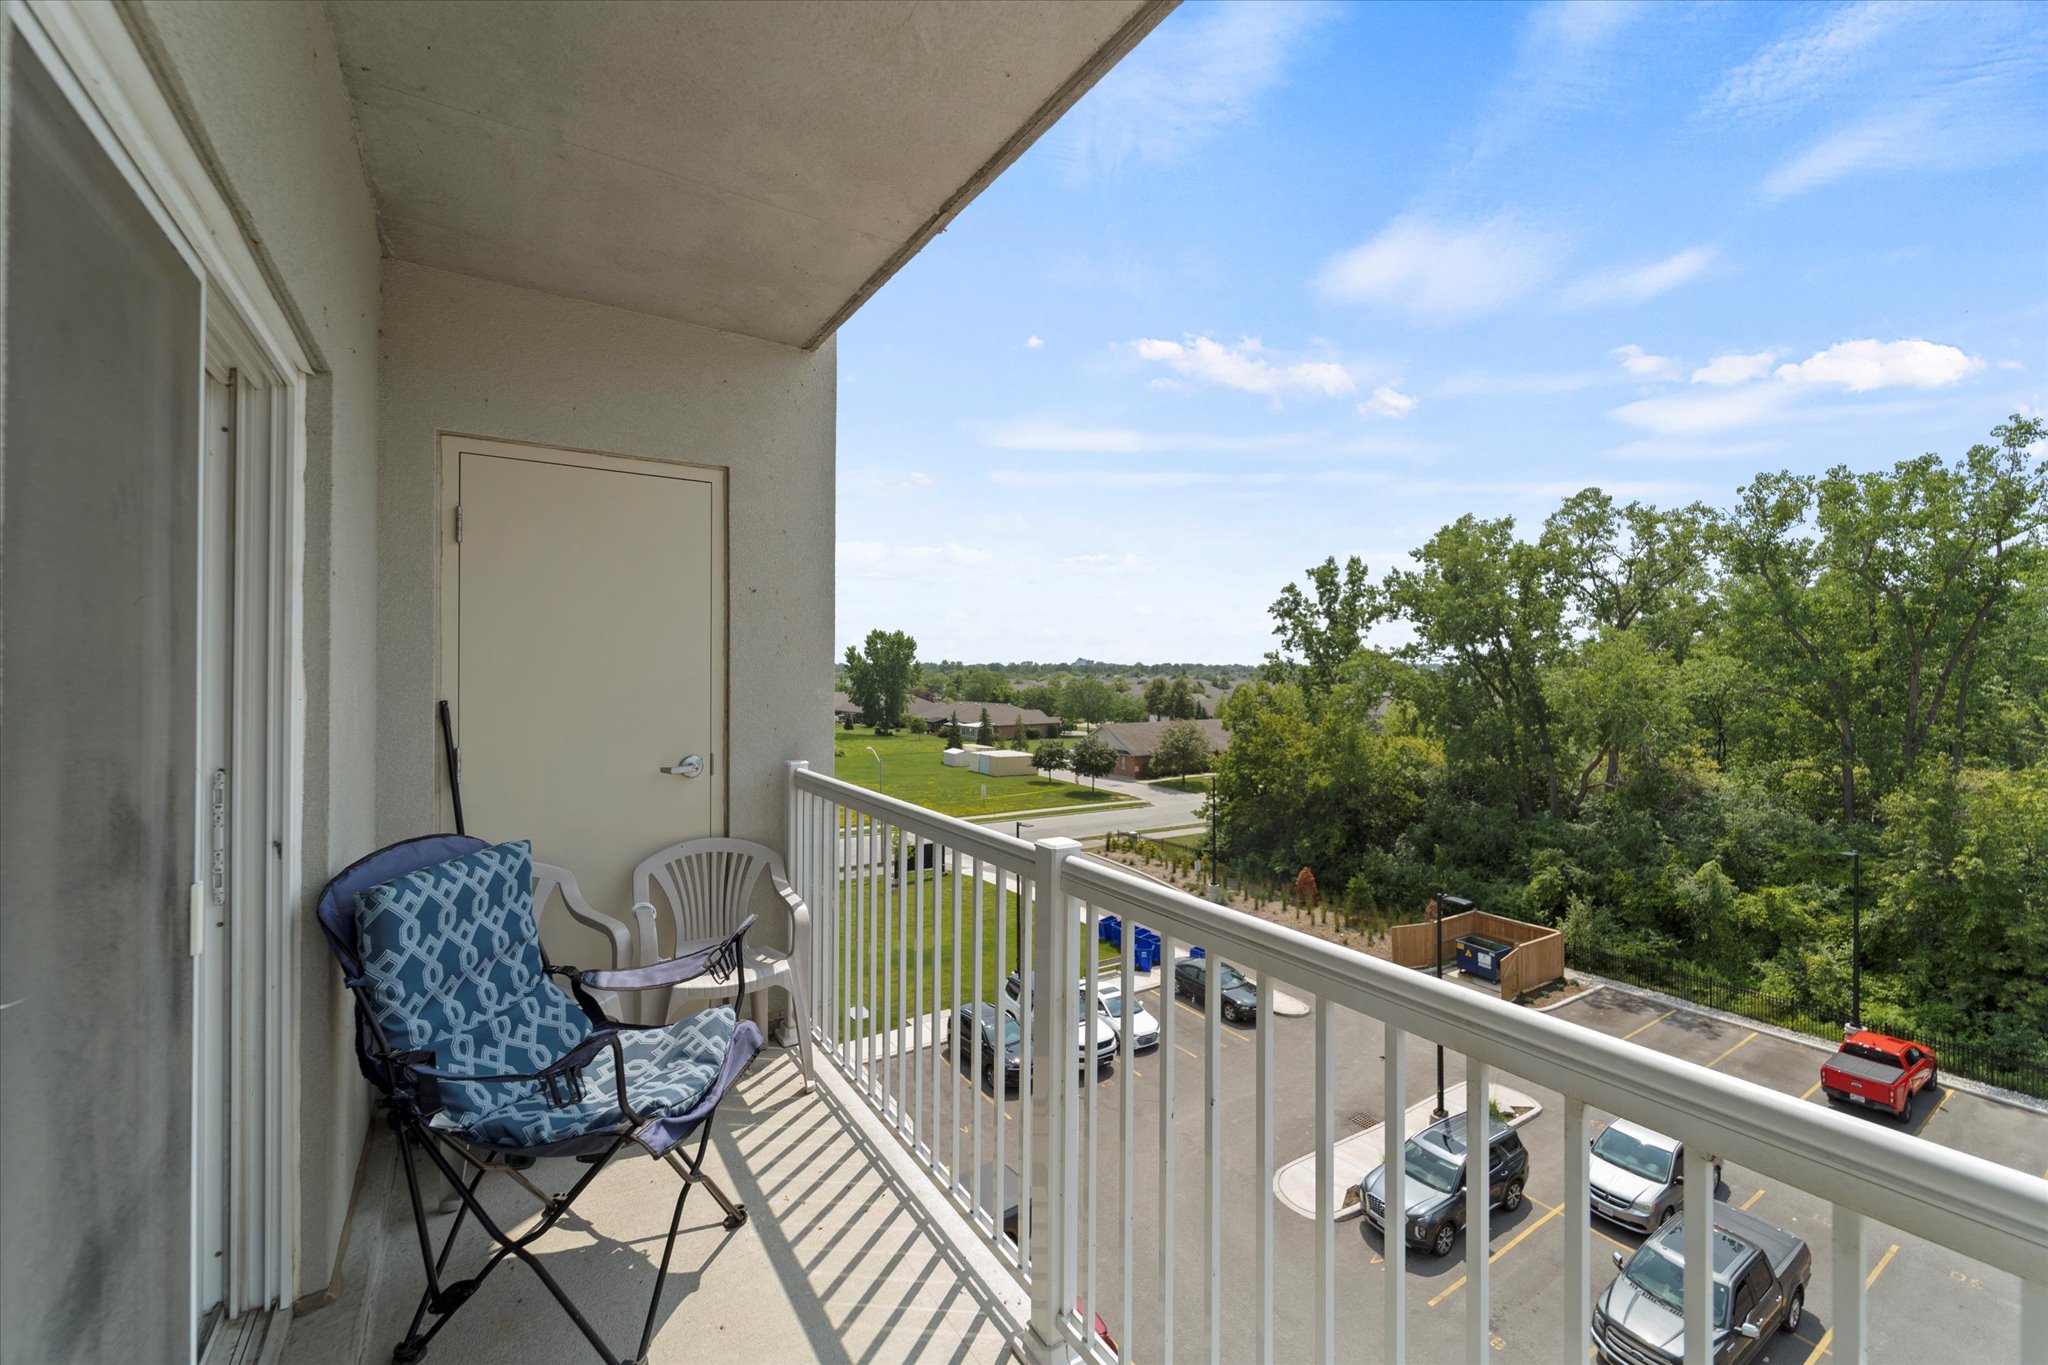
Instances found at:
x=1144 y=1224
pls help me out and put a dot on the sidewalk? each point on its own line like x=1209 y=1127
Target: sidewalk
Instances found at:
x=1294 y=1184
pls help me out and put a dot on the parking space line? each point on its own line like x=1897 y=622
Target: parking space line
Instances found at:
x=1658 y=1020
x=1747 y=1203
x=1184 y=1050
x=1609 y=1237
x=1945 y=1093
x=1820 y=1348
x=1809 y=1091
x=1878 y=1269
x=1730 y=1052
x=1242 y=1038
x=1506 y=1247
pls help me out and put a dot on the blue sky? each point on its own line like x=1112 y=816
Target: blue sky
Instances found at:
x=1296 y=281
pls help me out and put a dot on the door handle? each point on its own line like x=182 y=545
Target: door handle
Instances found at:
x=691 y=766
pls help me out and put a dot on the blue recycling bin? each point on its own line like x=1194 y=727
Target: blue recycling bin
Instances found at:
x=1141 y=957
x=1196 y=951
x=1110 y=929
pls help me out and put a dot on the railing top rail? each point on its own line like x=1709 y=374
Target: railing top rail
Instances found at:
x=1978 y=1207
x=977 y=841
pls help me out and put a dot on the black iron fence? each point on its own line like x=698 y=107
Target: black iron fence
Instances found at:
x=2028 y=1075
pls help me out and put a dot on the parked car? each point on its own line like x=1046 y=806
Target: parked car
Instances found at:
x=996 y=1032
x=1760 y=1275
x=1638 y=1176
x=1434 y=1160
x=1130 y=1013
x=1880 y=1071
x=1240 y=997
x=1097 y=1036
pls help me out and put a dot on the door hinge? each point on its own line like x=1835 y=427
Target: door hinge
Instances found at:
x=458 y=523
x=219 y=869
x=195 y=933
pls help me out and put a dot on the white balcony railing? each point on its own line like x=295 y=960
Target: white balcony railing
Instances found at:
x=905 y=902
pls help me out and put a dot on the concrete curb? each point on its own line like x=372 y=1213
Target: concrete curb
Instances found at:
x=1352 y=1158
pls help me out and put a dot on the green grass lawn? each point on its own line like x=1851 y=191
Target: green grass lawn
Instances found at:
x=1197 y=786
x=911 y=770
x=937 y=958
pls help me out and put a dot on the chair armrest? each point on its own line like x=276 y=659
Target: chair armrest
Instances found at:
x=718 y=960
x=799 y=925
x=546 y=876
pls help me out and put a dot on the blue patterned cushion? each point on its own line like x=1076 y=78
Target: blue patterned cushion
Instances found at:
x=452 y=958
x=667 y=1072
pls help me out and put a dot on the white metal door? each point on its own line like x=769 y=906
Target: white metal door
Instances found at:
x=212 y=976
x=589 y=656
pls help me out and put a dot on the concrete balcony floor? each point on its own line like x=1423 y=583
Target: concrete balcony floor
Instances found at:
x=847 y=1255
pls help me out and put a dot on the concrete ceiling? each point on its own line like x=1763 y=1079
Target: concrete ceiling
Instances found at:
x=756 y=167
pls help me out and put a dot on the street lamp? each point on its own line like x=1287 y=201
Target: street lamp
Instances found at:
x=1855 y=858
x=878 y=767
x=1463 y=905
x=1215 y=891
x=1018 y=937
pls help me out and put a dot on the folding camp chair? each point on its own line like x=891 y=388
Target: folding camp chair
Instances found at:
x=485 y=1063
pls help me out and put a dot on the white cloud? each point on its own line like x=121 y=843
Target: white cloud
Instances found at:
x=1388 y=401
x=1564 y=60
x=1654 y=449
x=1642 y=364
x=1033 y=342
x=1064 y=439
x=1438 y=272
x=1860 y=366
x=1124 y=563
x=1793 y=70
x=1904 y=139
x=879 y=559
x=1641 y=282
x=1699 y=414
x=1101 y=478
x=1736 y=368
x=1199 y=72
x=1245 y=367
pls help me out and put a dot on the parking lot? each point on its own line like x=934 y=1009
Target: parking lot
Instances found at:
x=1924 y=1301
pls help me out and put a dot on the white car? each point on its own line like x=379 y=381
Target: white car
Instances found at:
x=1129 y=1012
x=1638 y=1176
x=1099 y=1037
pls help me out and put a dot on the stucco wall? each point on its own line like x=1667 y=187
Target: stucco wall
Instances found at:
x=483 y=359
x=262 y=96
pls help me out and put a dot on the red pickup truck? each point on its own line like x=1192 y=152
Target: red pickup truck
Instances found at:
x=1880 y=1071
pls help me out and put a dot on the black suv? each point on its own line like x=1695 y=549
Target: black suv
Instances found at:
x=1435 y=1163
x=993 y=1024
x=1240 y=997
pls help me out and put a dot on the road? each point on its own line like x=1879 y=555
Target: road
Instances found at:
x=1170 y=810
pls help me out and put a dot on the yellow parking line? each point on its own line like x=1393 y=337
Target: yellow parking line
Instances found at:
x=1658 y=1020
x=1751 y=1200
x=1937 y=1107
x=1506 y=1247
x=1730 y=1052
x=1821 y=1347
x=1184 y=1050
x=1608 y=1237
x=1809 y=1091
x=1242 y=1038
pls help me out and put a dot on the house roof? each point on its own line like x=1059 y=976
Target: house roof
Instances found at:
x=758 y=169
x=1141 y=737
x=842 y=705
x=969 y=712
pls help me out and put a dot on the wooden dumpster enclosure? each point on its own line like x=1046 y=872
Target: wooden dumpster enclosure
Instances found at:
x=1537 y=959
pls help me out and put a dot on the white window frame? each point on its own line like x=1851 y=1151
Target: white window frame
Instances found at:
x=95 y=60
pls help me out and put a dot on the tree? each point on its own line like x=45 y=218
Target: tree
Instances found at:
x=1182 y=749
x=1180 y=700
x=1157 y=697
x=878 y=677
x=1318 y=633
x=1041 y=697
x=985 y=731
x=1091 y=758
x=982 y=684
x=1049 y=757
x=1089 y=699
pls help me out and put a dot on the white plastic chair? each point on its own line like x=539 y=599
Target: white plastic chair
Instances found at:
x=548 y=881
x=704 y=888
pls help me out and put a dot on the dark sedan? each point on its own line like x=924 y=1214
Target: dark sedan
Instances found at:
x=994 y=1025
x=1240 y=997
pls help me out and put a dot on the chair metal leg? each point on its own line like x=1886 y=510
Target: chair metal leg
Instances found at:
x=694 y=1174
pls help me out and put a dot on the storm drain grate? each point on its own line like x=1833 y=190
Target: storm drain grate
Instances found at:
x=1361 y=1119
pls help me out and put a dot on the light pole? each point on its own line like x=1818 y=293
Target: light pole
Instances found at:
x=878 y=766
x=1018 y=937
x=1215 y=891
x=1463 y=905
x=1856 y=938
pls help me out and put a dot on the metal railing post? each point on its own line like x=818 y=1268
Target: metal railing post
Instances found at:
x=1050 y=984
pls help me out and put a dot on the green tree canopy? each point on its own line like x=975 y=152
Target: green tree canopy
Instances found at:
x=1091 y=758
x=878 y=676
x=1182 y=749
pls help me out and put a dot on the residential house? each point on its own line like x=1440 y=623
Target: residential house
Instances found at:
x=1004 y=720
x=844 y=712
x=361 y=358
x=1136 y=741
